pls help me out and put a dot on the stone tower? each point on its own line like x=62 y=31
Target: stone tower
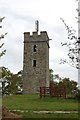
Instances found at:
x=36 y=61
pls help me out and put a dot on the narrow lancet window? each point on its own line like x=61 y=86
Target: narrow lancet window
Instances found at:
x=34 y=63
x=34 y=48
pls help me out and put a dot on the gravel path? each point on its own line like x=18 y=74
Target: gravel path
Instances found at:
x=45 y=112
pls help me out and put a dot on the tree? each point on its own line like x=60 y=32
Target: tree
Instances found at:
x=57 y=81
x=15 y=85
x=53 y=78
x=51 y=75
x=4 y=82
x=70 y=85
x=1 y=37
x=56 y=77
x=11 y=83
x=73 y=45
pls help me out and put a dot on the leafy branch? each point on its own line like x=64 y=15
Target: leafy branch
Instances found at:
x=2 y=37
x=73 y=45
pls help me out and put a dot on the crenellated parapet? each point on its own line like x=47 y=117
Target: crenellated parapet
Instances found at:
x=35 y=36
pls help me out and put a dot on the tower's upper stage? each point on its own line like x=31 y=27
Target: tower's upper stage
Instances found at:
x=43 y=36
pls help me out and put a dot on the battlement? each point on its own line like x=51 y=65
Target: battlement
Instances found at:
x=43 y=34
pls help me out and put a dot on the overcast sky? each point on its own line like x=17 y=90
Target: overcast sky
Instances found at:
x=20 y=16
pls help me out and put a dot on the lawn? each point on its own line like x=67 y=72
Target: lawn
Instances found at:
x=32 y=102
x=0 y=101
x=30 y=114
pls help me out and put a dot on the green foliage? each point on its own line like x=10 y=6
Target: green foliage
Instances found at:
x=5 y=72
x=14 y=82
x=70 y=85
x=78 y=94
x=51 y=75
x=10 y=82
x=2 y=53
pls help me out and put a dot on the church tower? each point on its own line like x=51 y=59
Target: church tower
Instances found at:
x=36 y=61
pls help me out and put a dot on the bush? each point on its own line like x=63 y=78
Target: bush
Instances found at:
x=78 y=94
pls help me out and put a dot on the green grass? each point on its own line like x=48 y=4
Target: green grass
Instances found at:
x=0 y=101
x=32 y=115
x=32 y=102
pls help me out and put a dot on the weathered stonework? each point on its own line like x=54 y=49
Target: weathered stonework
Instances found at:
x=36 y=76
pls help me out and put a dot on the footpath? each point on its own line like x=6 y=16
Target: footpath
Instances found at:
x=45 y=112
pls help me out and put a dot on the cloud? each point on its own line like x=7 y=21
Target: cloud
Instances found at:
x=20 y=17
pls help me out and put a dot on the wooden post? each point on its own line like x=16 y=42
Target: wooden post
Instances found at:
x=65 y=91
x=40 y=92
x=44 y=91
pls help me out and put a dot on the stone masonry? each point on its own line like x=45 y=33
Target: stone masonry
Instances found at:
x=36 y=61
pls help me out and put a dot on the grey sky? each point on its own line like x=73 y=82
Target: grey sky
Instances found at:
x=20 y=16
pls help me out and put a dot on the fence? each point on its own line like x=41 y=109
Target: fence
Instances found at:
x=53 y=91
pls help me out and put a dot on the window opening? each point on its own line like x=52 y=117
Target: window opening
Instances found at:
x=34 y=63
x=34 y=48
